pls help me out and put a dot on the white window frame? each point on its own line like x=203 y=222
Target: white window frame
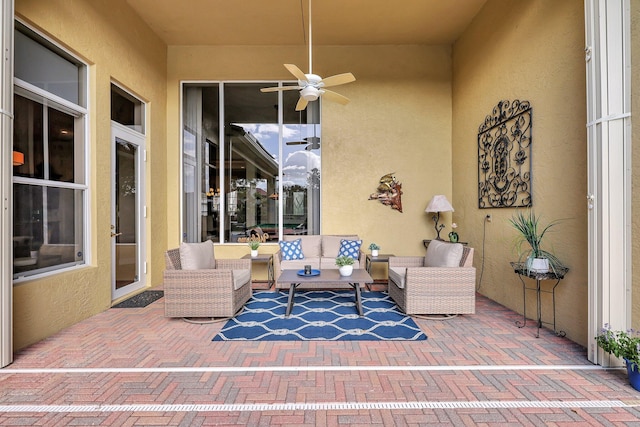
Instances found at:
x=221 y=87
x=77 y=111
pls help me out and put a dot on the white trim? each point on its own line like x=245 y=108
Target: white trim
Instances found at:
x=49 y=183
x=608 y=71
x=609 y=118
x=139 y=140
x=321 y=406
x=46 y=98
x=6 y=173
x=319 y=368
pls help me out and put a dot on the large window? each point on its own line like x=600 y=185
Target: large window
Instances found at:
x=49 y=171
x=256 y=174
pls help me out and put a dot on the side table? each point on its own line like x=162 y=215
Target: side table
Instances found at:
x=521 y=270
x=370 y=259
x=263 y=259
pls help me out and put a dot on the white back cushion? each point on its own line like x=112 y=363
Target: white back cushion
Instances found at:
x=310 y=244
x=443 y=254
x=197 y=256
x=331 y=244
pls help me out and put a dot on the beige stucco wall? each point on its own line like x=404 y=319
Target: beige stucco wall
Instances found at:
x=399 y=120
x=530 y=51
x=120 y=47
x=415 y=111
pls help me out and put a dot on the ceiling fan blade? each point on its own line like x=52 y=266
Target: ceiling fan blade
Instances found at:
x=296 y=142
x=302 y=104
x=277 y=88
x=335 y=97
x=338 y=79
x=297 y=72
x=313 y=139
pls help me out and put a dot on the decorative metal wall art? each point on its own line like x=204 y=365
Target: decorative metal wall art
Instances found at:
x=389 y=192
x=504 y=156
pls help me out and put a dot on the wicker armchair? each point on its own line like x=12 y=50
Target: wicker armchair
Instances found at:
x=219 y=292
x=417 y=289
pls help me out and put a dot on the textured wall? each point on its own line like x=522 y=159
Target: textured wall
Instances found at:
x=529 y=51
x=399 y=120
x=415 y=111
x=119 y=46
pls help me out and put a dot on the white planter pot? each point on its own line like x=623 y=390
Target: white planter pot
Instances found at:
x=254 y=253
x=374 y=252
x=538 y=265
x=346 y=270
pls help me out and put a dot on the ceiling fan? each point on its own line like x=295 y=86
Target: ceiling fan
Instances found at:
x=312 y=86
x=313 y=143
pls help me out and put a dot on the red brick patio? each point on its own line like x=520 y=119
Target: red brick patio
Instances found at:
x=134 y=367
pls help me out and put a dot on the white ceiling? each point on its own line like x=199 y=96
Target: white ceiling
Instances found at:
x=281 y=22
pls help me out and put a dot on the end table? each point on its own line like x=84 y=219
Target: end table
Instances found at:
x=371 y=259
x=263 y=259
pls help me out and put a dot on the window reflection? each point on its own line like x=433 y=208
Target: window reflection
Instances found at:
x=264 y=179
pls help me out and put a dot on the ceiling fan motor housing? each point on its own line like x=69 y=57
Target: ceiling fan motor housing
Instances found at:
x=310 y=93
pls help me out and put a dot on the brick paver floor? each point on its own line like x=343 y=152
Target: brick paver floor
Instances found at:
x=134 y=367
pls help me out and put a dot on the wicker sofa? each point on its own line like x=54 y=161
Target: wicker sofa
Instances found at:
x=320 y=252
x=419 y=287
x=220 y=291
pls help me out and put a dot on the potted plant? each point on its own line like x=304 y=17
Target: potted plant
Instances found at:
x=537 y=260
x=624 y=344
x=345 y=265
x=254 y=245
x=374 y=249
x=453 y=236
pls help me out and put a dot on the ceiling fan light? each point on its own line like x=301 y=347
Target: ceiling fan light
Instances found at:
x=310 y=93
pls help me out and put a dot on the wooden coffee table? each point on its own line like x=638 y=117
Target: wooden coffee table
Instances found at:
x=327 y=279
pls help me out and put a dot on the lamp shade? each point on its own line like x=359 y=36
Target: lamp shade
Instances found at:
x=18 y=158
x=439 y=203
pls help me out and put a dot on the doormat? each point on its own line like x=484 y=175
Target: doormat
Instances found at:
x=143 y=299
x=321 y=316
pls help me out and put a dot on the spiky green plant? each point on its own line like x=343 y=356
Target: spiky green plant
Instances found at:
x=531 y=232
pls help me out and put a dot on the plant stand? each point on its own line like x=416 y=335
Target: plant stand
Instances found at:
x=520 y=268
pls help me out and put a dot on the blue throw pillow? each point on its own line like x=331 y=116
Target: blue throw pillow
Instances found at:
x=291 y=250
x=350 y=248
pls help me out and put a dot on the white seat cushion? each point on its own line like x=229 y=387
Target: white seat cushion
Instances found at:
x=398 y=275
x=443 y=254
x=240 y=278
x=197 y=256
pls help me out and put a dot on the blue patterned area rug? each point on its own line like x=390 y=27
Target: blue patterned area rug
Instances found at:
x=321 y=316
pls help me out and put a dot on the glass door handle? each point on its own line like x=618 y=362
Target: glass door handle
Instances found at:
x=115 y=234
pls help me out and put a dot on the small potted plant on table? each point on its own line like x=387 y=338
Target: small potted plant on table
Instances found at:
x=374 y=249
x=345 y=265
x=254 y=245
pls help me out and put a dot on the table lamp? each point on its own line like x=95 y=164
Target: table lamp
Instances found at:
x=438 y=203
